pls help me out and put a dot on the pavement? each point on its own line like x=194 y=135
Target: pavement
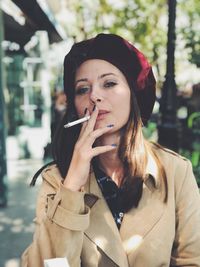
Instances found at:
x=16 y=226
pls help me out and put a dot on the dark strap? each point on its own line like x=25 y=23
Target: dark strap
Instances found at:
x=34 y=179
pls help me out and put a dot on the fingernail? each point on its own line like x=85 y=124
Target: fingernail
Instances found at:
x=114 y=145
x=85 y=111
x=110 y=125
x=94 y=108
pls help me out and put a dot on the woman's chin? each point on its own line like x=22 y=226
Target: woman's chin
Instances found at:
x=99 y=124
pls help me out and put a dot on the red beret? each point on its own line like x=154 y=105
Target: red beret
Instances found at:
x=119 y=52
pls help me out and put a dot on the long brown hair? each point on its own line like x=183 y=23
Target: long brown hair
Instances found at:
x=133 y=152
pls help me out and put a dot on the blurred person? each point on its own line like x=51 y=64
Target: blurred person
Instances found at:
x=58 y=110
x=194 y=101
x=190 y=97
x=111 y=198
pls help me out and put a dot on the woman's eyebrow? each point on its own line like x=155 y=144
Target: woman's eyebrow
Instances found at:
x=81 y=80
x=106 y=74
x=100 y=77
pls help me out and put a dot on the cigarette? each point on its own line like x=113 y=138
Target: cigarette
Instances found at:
x=72 y=123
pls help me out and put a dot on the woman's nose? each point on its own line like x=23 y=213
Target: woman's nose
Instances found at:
x=95 y=96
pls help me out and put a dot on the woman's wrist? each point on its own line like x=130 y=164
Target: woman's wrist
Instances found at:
x=71 y=185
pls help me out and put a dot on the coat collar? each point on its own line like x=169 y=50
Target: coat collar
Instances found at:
x=152 y=180
x=137 y=223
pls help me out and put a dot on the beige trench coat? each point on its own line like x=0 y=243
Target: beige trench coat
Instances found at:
x=80 y=226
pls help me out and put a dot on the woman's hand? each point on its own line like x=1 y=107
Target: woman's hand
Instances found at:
x=84 y=152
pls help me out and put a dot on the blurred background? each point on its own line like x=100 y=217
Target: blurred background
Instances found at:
x=35 y=35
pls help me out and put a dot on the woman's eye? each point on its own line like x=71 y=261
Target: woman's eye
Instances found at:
x=110 y=84
x=82 y=90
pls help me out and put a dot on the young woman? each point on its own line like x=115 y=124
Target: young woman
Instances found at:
x=112 y=198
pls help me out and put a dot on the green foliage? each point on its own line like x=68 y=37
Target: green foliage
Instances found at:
x=143 y=22
x=190 y=31
x=139 y=21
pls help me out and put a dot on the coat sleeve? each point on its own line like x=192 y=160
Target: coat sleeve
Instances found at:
x=186 y=249
x=61 y=218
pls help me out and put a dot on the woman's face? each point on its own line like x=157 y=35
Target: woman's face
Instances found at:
x=98 y=81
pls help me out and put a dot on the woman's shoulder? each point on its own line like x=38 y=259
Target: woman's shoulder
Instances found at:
x=178 y=169
x=169 y=156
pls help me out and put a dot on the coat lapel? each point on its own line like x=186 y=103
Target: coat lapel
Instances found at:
x=103 y=230
x=138 y=222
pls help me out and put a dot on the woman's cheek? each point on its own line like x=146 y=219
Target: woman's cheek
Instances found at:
x=78 y=109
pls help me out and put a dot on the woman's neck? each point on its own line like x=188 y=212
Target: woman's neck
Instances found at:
x=109 y=162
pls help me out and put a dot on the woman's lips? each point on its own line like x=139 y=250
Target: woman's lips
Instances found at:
x=102 y=115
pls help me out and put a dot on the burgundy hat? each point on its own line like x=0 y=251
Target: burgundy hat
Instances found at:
x=119 y=52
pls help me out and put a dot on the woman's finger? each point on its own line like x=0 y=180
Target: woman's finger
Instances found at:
x=89 y=127
x=84 y=125
x=99 y=132
x=92 y=120
x=102 y=149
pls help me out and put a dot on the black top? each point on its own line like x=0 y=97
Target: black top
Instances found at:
x=112 y=194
